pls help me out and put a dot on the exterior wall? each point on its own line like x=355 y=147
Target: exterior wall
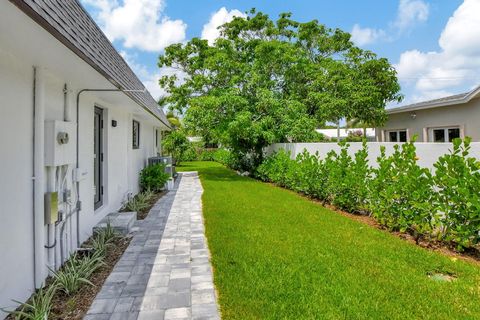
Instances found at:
x=16 y=189
x=428 y=153
x=18 y=56
x=466 y=116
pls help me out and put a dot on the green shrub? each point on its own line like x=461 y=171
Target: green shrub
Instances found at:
x=347 y=178
x=207 y=155
x=153 y=177
x=311 y=176
x=457 y=180
x=76 y=272
x=102 y=240
x=177 y=145
x=223 y=156
x=139 y=202
x=402 y=193
x=278 y=168
x=38 y=307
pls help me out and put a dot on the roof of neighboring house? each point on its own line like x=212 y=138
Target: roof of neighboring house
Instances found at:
x=442 y=102
x=70 y=23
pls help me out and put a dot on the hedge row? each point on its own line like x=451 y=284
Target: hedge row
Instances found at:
x=442 y=204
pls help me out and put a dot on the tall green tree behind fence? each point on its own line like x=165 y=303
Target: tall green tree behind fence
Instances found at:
x=266 y=81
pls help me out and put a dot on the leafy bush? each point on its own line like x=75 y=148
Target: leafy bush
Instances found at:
x=402 y=192
x=310 y=175
x=278 y=169
x=348 y=178
x=153 y=177
x=207 y=155
x=223 y=156
x=177 y=145
x=457 y=180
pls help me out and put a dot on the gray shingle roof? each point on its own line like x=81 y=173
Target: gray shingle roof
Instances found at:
x=441 y=102
x=70 y=23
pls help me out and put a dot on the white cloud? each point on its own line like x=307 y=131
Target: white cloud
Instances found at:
x=148 y=78
x=138 y=24
x=363 y=36
x=210 y=30
x=455 y=67
x=151 y=81
x=411 y=12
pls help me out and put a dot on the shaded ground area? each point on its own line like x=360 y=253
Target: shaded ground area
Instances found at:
x=277 y=255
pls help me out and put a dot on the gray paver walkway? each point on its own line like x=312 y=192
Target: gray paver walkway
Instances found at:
x=165 y=273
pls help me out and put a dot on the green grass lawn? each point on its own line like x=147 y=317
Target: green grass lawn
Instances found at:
x=277 y=255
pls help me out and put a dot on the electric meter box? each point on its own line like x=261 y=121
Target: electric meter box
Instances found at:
x=59 y=143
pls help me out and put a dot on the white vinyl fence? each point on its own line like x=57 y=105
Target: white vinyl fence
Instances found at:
x=427 y=152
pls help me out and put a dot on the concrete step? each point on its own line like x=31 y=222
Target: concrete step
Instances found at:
x=121 y=222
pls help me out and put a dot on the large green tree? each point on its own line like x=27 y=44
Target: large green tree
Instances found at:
x=269 y=81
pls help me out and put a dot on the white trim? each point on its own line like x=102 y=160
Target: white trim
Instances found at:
x=446 y=134
x=397 y=131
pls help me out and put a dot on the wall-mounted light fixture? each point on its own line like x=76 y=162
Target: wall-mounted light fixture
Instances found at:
x=114 y=123
x=413 y=115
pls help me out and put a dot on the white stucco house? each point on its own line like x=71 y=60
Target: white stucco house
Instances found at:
x=439 y=120
x=75 y=123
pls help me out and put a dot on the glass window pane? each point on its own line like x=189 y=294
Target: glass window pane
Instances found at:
x=136 y=134
x=439 y=135
x=403 y=136
x=453 y=134
x=392 y=135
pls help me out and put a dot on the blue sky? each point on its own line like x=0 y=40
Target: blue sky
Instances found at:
x=434 y=44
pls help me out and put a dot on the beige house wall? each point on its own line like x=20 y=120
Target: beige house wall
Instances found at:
x=465 y=116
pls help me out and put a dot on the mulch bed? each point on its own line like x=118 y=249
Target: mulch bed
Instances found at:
x=75 y=307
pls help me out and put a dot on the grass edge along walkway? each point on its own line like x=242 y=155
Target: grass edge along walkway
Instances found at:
x=277 y=255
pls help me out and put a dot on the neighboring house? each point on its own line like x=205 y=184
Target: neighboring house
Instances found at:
x=439 y=120
x=344 y=132
x=75 y=124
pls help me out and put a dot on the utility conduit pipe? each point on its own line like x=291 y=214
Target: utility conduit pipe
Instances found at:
x=38 y=176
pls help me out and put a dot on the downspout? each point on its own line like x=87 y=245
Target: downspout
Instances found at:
x=38 y=176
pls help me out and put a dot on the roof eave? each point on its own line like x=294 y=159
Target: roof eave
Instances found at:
x=50 y=29
x=461 y=100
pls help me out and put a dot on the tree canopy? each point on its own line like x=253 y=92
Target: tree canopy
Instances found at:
x=266 y=81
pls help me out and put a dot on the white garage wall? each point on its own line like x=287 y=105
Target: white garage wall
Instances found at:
x=428 y=153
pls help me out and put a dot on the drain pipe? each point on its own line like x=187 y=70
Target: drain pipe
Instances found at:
x=38 y=176
x=78 y=206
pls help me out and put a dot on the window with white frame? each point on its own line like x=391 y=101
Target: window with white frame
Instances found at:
x=396 y=135
x=446 y=134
